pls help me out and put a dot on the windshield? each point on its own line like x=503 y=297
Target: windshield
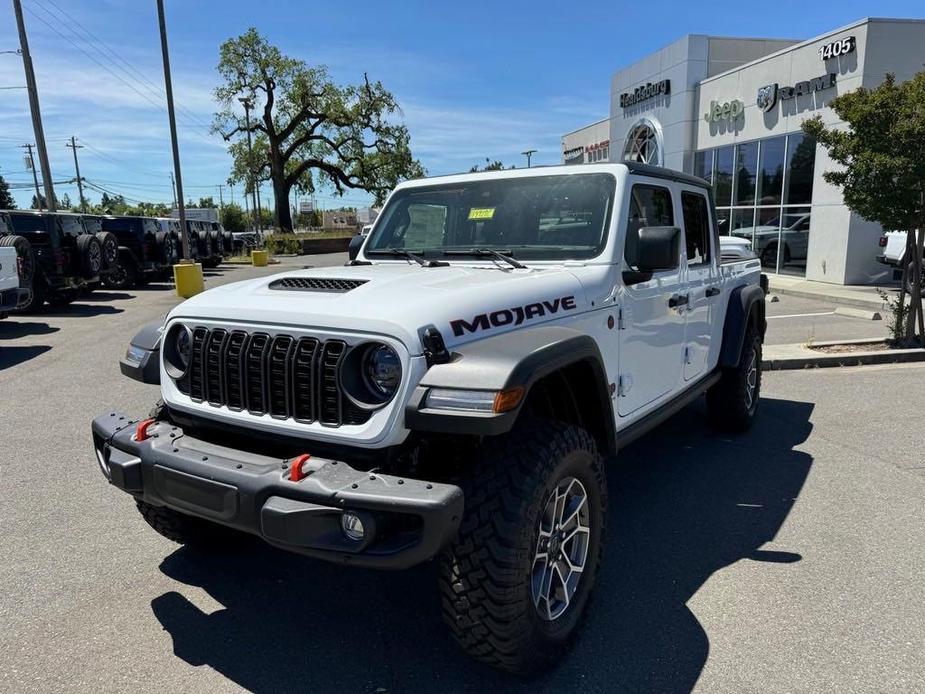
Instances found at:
x=5 y=226
x=537 y=218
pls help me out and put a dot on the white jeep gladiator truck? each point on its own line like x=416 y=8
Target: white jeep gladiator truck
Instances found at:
x=452 y=392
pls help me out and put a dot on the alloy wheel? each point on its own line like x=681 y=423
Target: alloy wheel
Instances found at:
x=563 y=540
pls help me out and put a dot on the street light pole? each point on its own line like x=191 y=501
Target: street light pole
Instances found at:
x=36 y=111
x=173 y=129
x=529 y=155
x=80 y=185
x=248 y=104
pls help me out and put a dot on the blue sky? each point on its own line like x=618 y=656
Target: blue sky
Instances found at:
x=475 y=79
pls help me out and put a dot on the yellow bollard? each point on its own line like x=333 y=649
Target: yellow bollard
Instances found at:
x=260 y=258
x=188 y=278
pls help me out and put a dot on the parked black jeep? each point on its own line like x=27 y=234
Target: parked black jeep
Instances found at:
x=68 y=259
x=146 y=252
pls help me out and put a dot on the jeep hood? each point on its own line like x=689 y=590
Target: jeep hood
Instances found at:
x=464 y=302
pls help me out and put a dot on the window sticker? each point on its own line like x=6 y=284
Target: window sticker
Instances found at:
x=480 y=214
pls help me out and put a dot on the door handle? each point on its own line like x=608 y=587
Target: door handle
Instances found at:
x=712 y=291
x=678 y=300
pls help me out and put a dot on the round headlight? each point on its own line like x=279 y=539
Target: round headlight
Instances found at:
x=371 y=374
x=178 y=346
x=382 y=369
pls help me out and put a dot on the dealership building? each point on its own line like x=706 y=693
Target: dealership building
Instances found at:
x=730 y=110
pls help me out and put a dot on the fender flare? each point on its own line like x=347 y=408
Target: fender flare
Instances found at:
x=142 y=361
x=746 y=303
x=510 y=360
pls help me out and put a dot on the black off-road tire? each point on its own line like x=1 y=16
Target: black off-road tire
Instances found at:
x=25 y=258
x=733 y=402
x=110 y=245
x=36 y=299
x=485 y=577
x=63 y=297
x=184 y=529
x=125 y=276
x=91 y=255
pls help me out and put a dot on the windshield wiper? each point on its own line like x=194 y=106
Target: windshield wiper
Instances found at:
x=488 y=252
x=405 y=253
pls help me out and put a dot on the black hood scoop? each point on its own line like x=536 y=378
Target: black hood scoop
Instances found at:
x=316 y=284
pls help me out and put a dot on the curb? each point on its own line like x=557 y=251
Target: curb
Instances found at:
x=862 y=313
x=857 y=302
x=788 y=357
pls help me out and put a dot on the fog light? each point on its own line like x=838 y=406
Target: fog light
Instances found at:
x=352 y=526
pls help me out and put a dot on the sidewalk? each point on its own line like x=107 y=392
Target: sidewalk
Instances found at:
x=858 y=296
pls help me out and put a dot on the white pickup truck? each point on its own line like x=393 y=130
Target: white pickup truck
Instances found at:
x=16 y=267
x=453 y=392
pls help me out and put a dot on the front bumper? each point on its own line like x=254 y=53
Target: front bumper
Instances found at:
x=408 y=520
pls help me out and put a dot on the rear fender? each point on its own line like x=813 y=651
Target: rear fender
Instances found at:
x=746 y=304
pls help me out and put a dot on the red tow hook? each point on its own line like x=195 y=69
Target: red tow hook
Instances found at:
x=296 y=473
x=141 y=431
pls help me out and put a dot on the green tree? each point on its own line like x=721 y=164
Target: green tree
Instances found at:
x=6 y=198
x=233 y=218
x=490 y=165
x=307 y=131
x=881 y=153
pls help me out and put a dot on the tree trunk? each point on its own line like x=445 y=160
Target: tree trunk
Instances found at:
x=917 y=284
x=280 y=189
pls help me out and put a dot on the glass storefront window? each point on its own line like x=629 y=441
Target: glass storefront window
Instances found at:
x=762 y=193
x=722 y=176
x=771 y=171
x=794 y=240
x=703 y=165
x=801 y=160
x=746 y=173
x=765 y=238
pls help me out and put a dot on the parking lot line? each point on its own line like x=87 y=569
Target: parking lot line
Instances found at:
x=803 y=315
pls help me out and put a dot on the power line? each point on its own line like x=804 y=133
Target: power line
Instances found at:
x=144 y=96
x=129 y=69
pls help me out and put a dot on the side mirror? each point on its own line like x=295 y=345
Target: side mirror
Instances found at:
x=658 y=248
x=353 y=250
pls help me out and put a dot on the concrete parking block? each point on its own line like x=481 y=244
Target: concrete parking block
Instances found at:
x=862 y=313
x=800 y=356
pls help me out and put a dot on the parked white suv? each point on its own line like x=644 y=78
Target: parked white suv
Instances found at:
x=453 y=392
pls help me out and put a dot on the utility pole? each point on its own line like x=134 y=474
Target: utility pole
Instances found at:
x=173 y=189
x=36 y=111
x=529 y=155
x=80 y=185
x=248 y=104
x=171 y=116
x=221 y=201
x=35 y=176
x=231 y=187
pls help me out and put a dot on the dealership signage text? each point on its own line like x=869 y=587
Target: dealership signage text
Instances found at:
x=649 y=91
x=731 y=110
x=771 y=93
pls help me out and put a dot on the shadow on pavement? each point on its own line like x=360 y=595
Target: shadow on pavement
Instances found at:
x=11 y=356
x=685 y=503
x=11 y=329
x=79 y=310
x=106 y=296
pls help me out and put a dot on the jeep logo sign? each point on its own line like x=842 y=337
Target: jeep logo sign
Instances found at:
x=731 y=110
x=511 y=316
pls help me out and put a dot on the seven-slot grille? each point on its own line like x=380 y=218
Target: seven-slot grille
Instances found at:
x=283 y=376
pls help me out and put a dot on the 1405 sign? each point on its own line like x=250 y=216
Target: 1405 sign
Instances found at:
x=837 y=48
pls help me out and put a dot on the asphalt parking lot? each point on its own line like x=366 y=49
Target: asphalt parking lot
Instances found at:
x=796 y=320
x=788 y=559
